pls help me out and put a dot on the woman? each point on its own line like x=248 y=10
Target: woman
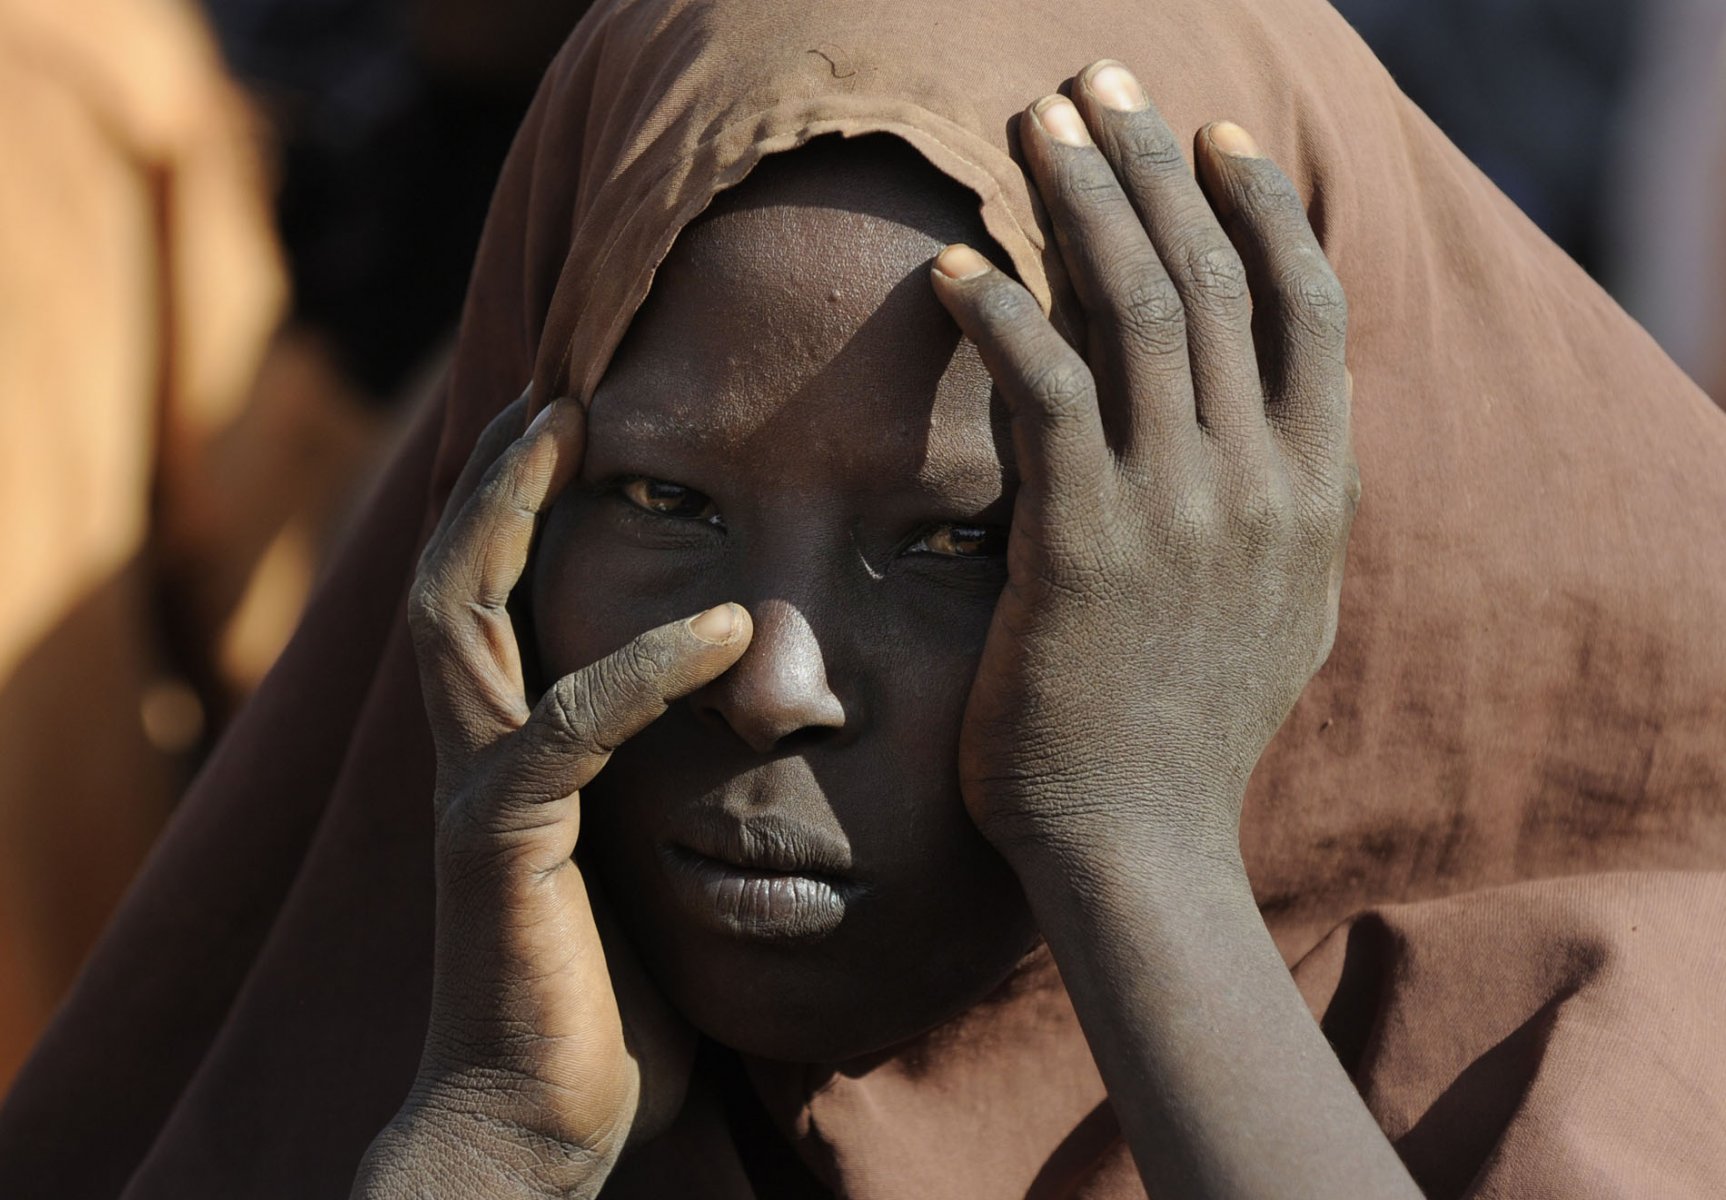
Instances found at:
x=787 y=849
x=1483 y=839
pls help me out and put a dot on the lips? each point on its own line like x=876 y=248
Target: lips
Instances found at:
x=766 y=878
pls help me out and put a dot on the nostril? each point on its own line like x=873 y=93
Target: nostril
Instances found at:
x=773 y=731
x=707 y=712
x=806 y=738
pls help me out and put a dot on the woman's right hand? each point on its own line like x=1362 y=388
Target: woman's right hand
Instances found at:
x=541 y=1059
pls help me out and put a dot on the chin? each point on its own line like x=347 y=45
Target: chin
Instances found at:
x=829 y=1001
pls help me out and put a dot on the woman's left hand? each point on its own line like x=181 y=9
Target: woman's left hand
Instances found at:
x=1186 y=489
x=1174 y=567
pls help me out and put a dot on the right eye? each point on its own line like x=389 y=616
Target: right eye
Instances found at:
x=668 y=499
x=961 y=541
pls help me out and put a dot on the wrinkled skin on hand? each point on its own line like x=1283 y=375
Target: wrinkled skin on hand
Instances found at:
x=1177 y=541
x=1175 y=563
x=547 y=1050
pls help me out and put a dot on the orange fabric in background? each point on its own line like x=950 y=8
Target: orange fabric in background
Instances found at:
x=143 y=469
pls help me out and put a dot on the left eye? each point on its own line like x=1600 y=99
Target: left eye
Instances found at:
x=669 y=499
x=961 y=541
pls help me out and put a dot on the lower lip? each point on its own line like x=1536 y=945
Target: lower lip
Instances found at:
x=762 y=905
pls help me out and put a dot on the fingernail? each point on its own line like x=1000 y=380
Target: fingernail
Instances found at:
x=1114 y=87
x=959 y=261
x=1057 y=115
x=716 y=626
x=1231 y=139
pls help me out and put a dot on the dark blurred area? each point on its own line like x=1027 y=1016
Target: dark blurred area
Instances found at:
x=391 y=118
x=1605 y=121
x=234 y=238
x=1528 y=89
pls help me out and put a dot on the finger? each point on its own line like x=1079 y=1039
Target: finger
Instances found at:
x=1057 y=431
x=470 y=663
x=494 y=439
x=586 y=715
x=1202 y=263
x=1137 y=327
x=1304 y=309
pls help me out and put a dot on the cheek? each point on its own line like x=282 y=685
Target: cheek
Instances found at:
x=923 y=678
x=927 y=648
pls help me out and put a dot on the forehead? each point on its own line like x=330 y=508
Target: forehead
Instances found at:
x=797 y=315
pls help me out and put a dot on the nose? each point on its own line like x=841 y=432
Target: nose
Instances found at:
x=779 y=687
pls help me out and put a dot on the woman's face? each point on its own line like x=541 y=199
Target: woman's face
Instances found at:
x=793 y=423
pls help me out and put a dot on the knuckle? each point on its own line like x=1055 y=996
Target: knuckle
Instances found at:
x=1266 y=197
x=499 y=489
x=1063 y=387
x=1261 y=516
x=644 y=662
x=590 y=703
x=579 y=711
x=1091 y=183
x=1150 y=312
x=1210 y=275
x=1151 y=151
x=1314 y=300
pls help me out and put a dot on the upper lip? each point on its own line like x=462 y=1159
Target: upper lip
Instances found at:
x=765 y=842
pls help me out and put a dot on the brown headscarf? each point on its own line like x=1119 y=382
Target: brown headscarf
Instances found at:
x=1490 y=838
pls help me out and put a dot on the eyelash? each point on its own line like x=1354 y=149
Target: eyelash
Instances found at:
x=990 y=535
x=621 y=487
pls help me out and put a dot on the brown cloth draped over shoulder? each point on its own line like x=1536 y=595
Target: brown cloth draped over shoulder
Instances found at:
x=1491 y=840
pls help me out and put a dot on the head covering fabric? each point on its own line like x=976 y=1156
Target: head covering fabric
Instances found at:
x=1491 y=839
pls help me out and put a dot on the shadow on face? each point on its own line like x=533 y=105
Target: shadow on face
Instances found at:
x=795 y=424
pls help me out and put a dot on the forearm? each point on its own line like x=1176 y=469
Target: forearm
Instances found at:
x=1223 y=1083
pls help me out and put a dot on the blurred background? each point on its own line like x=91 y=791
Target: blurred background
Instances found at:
x=234 y=236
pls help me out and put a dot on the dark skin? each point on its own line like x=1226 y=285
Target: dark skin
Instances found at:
x=869 y=607
x=1180 y=497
